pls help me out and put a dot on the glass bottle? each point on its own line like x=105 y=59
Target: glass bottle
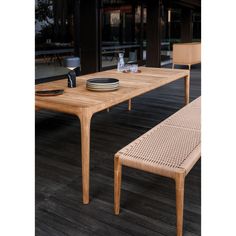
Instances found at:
x=121 y=62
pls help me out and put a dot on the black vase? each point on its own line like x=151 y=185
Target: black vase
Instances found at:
x=71 y=76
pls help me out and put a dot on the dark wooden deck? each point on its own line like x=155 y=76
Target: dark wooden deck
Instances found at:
x=147 y=200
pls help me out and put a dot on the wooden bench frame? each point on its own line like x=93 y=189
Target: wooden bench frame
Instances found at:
x=178 y=174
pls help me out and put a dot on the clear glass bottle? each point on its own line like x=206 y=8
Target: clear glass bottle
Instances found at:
x=121 y=62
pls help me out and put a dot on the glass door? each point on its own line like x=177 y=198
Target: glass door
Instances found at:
x=171 y=32
x=196 y=26
x=54 y=36
x=121 y=32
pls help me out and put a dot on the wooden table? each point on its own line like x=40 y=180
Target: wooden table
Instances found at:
x=83 y=103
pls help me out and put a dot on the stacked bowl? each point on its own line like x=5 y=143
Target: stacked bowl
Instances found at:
x=102 y=84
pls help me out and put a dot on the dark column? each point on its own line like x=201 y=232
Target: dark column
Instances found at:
x=153 y=33
x=77 y=27
x=186 y=26
x=90 y=36
x=141 y=35
x=133 y=22
x=76 y=33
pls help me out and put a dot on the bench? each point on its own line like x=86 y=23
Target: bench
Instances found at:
x=170 y=149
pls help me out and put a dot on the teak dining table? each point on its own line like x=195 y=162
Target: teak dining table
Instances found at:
x=84 y=103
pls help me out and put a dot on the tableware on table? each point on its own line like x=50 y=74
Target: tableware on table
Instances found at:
x=126 y=68
x=121 y=62
x=51 y=92
x=102 y=84
x=134 y=68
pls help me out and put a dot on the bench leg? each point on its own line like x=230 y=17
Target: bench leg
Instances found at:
x=117 y=184
x=179 y=181
x=129 y=105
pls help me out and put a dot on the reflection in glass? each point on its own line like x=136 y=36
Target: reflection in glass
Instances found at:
x=121 y=32
x=54 y=36
x=171 y=32
x=115 y=18
x=196 y=26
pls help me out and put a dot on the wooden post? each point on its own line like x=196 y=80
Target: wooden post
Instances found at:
x=90 y=42
x=153 y=33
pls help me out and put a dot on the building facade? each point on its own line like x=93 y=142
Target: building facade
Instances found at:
x=97 y=30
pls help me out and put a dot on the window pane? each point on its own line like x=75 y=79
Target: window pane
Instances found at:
x=121 y=31
x=54 y=36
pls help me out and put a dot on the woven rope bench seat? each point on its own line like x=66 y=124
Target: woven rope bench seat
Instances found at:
x=164 y=151
x=169 y=149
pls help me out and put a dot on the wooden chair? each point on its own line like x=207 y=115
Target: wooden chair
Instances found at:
x=186 y=54
x=170 y=149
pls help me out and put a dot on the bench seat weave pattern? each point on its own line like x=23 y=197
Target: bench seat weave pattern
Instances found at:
x=169 y=144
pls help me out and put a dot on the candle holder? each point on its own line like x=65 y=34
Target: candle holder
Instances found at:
x=71 y=63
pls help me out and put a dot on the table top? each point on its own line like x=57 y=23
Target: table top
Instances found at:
x=79 y=99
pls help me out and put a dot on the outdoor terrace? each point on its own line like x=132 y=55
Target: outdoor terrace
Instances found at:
x=147 y=200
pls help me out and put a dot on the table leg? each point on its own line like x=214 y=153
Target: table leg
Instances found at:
x=37 y=108
x=129 y=104
x=85 y=121
x=187 y=87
